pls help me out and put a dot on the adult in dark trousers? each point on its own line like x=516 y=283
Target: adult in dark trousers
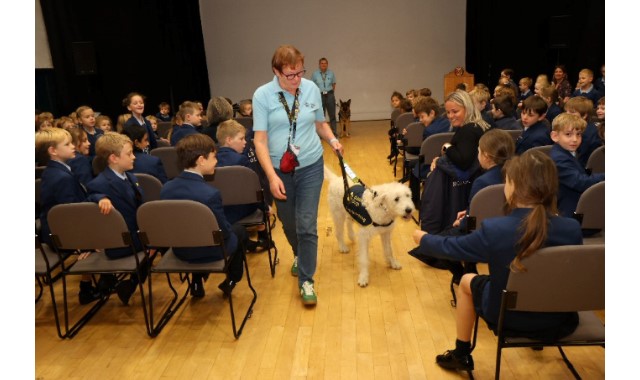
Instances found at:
x=325 y=79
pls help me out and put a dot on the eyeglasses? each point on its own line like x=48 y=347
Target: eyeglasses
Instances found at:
x=299 y=74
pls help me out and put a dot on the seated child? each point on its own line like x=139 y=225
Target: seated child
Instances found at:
x=427 y=109
x=164 y=114
x=494 y=149
x=81 y=163
x=144 y=163
x=573 y=179
x=87 y=121
x=231 y=137
x=583 y=107
x=481 y=98
x=115 y=152
x=65 y=122
x=197 y=153
x=59 y=185
x=536 y=130
x=396 y=100
x=550 y=95
x=191 y=118
x=104 y=122
x=245 y=108
x=525 y=90
x=585 y=87
x=530 y=189
x=502 y=110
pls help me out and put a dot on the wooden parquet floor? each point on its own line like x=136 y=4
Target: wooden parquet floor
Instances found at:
x=391 y=329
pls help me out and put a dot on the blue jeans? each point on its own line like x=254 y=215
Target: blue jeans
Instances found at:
x=299 y=215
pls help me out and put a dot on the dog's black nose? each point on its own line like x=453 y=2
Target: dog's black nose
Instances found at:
x=408 y=210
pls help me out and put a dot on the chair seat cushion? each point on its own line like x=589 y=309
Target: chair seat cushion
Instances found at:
x=590 y=329
x=99 y=262
x=172 y=264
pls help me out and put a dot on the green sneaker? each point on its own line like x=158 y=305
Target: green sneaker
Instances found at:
x=308 y=294
x=294 y=267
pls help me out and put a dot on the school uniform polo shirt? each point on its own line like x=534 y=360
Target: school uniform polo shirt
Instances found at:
x=269 y=112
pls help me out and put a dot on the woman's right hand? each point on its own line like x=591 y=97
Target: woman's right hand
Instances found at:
x=277 y=188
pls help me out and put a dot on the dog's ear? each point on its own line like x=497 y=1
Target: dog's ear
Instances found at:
x=349 y=102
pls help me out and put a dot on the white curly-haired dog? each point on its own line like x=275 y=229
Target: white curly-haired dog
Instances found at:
x=384 y=203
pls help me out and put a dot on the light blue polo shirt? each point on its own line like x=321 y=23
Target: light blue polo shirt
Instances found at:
x=269 y=112
x=328 y=82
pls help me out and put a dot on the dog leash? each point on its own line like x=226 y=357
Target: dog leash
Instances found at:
x=347 y=171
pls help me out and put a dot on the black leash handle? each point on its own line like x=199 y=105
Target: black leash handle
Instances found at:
x=344 y=173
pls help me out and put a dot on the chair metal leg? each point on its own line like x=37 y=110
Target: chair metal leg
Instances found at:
x=73 y=330
x=238 y=332
x=569 y=364
x=40 y=288
x=273 y=261
x=171 y=309
x=454 y=301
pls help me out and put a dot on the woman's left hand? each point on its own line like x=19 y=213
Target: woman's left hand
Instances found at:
x=337 y=147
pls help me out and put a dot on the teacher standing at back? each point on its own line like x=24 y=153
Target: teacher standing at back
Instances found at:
x=288 y=122
x=325 y=79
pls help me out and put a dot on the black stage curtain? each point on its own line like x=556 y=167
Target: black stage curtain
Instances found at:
x=102 y=50
x=532 y=37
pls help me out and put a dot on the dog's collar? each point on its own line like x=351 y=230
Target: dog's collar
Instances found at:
x=382 y=225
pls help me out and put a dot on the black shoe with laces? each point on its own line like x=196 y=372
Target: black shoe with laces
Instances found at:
x=264 y=244
x=125 y=289
x=107 y=283
x=450 y=360
x=227 y=286
x=88 y=293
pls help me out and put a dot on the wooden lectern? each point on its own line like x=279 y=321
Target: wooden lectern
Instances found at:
x=455 y=77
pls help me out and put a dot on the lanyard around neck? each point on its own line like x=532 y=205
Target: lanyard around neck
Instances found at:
x=292 y=114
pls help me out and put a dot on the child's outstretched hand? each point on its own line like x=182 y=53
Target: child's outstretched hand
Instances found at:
x=83 y=255
x=417 y=235
x=105 y=206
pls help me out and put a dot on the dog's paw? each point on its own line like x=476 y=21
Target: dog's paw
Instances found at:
x=395 y=265
x=363 y=280
x=343 y=249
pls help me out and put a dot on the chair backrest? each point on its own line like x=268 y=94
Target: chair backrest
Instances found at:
x=151 y=186
x=546 y=149
x=515 y=133
x=82 y=226
x=177 y=223
x=163 y=128
x=163 y=143
x=169 y=158
x=560 y=279
x=590 y=208
x=432 y=146
x=596 y=160
x=403 y=120
x=237 y=184
x=394 y=115
x=414 y=134
x=39 y=171
x=246 y=122
x=487 y=203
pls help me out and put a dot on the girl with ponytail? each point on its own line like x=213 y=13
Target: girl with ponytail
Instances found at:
x=531 y=223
